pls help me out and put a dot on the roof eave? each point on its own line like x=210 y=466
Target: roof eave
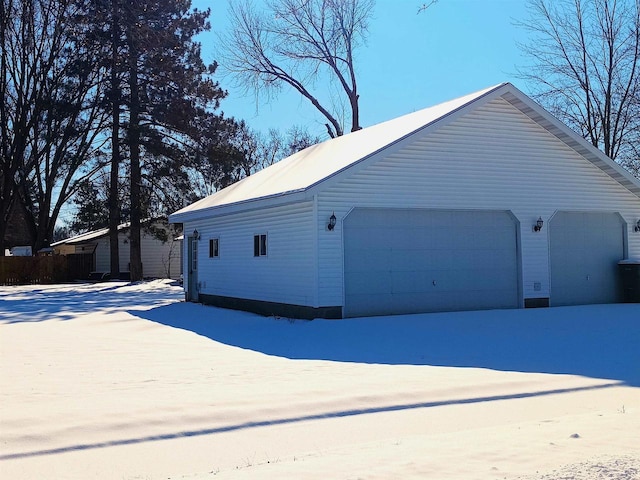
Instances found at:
x=505 y=90
x=291 y=196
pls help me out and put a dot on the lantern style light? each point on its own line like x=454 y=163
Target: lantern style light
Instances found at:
x=538 y=226
x=332 y=221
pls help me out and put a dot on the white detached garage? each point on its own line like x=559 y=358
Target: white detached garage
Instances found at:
x=486 y=201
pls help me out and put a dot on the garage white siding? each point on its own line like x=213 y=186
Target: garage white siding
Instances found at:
x=495 y=150
x=285 y=275
x=493 y=158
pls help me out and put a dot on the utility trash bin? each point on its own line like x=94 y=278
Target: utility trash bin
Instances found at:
x=630 y=280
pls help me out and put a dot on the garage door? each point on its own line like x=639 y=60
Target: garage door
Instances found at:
x=585 y=250
x=407 y=261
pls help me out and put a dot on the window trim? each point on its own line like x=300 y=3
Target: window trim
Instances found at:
x=260 y=245
x=214 y=247
x=194 y=253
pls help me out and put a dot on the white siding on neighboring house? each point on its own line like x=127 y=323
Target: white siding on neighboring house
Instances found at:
x=493 y=158
x=103 y=253
x=284 y=275
x=159 y=259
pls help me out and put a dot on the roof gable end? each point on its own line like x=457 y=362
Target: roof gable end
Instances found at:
x=570 y=138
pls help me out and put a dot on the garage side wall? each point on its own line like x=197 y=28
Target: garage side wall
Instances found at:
x=103 y=253
x=159 y=259
x=285 y=276
x=493 y=158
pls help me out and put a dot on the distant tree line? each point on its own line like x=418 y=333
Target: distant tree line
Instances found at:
x=108 y=106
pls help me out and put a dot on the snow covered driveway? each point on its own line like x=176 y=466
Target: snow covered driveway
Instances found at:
x=121 y=381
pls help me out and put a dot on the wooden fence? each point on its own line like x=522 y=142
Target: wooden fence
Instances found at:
x=51 y=269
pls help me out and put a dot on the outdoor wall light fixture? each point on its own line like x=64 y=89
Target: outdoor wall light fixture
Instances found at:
x=196 y=235
x=332 y=221
x=538 y=226
x=637 y=227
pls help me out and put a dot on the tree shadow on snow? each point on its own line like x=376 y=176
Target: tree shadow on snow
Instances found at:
x=599 y=341
x=66 y=302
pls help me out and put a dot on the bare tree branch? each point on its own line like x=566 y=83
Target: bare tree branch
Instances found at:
x=424 y=6
x=297 y=43
x=584 y=67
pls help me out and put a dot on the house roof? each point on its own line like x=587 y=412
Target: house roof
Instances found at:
x=88 y=237
x=102 y=232
x=313 y=165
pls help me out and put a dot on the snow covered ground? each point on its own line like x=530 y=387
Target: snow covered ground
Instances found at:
x=119 y=381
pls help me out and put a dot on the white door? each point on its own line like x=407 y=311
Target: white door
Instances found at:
x=413 y=260
x=192 y=259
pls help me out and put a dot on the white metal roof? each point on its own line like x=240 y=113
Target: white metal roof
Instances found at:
x=87 y=237
x=102 y=232
x=305 y=169
x=314 y=164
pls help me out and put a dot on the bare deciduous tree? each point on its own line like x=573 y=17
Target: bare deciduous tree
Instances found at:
x=295 y=42
x=425 y=6
x=585 y=69
x=50 y=118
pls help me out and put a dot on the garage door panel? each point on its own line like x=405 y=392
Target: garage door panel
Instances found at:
x=369 y=283
x=585 y=248
x=483 y=259
x=381 y=304
x=446 y=301
x=498 y=239
x=408 y=281
x=421 y=259
x=413 y=302
x=403 y=239
x=409 y=259
x=503 y=279
x=436 y=260
x=368 y=257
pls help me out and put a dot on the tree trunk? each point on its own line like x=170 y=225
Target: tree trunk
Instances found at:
x=6 y=205
x=135 y=258
x=5 y=196
x=355 y=112
x=114 y=207
x=42 y=240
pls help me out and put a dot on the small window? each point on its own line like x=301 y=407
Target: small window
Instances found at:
x=214 y=247
x=260 y=245
x=194 y=253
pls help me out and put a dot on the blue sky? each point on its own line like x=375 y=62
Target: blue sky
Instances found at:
x=411 y=61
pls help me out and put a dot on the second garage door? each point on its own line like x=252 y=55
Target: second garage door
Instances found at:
x=585 y=250
x=409 y=261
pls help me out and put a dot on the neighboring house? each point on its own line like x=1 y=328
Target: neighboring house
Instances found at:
x=160 y=259
x=486 y=201
x=21 y=251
